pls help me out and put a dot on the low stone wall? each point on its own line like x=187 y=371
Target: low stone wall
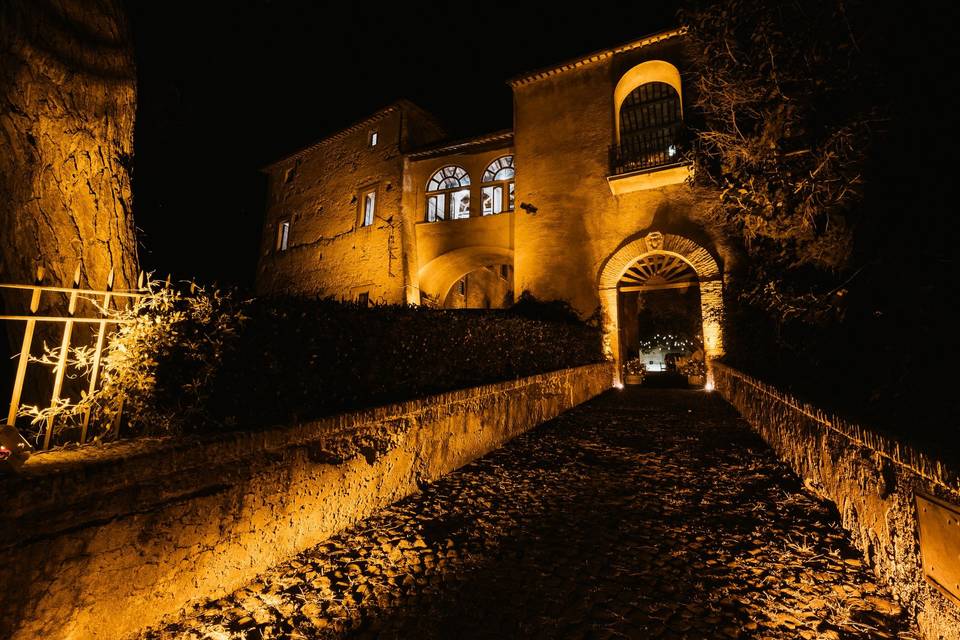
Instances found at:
x=871 y=480
x=100 y=542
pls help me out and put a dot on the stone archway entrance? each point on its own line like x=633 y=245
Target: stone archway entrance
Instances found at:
x=662 y=261
x=438 y=277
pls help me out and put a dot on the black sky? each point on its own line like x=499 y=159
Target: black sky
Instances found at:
x=227 y=87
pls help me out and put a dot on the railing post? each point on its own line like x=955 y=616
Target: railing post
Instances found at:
x=61 y=369
x=25 y=351
x=97 y=352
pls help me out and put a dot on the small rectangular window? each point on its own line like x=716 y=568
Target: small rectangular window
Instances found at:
x=283 y=235
x=363 y=299
x=369 y=208
x=374 y=136
x=510 y=206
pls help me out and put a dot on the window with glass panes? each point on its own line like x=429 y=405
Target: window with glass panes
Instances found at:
x=496 y=193
x=369 y=208
x=650 y=124
x=283 y=235
x=448 y=194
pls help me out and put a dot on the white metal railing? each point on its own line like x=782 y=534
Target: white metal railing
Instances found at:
x=100 y=302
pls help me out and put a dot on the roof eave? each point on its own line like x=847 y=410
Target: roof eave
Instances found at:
x=360 y=124
x=504 y=136
x=596 y=56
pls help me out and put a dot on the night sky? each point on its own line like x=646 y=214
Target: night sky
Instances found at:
x=227 y=88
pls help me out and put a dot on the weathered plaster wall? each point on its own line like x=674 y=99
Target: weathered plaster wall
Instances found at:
x=870 y=479
x=434 y=239
x=100 y=542
x=320 y=191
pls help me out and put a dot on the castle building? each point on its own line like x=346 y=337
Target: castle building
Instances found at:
x=584 y=200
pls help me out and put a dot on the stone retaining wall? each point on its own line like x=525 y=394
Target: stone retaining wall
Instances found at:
x=871 y=480
x=100 y=542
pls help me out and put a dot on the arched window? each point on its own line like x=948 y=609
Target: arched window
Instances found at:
x=497 y=181
x=448 y=194
x=651 y=127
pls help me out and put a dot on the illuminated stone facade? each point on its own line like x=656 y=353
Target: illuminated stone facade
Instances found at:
x=597 y=149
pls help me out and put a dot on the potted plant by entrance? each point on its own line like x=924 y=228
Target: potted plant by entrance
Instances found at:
x=635 y=370
x=696 y=372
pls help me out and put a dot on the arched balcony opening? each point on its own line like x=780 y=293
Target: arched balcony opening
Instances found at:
x=648 y=116
x=650 y=128
x=448 y=194
x=497 y=190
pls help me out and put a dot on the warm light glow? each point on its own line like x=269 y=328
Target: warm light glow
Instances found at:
x=649 y=71
x=618 y=385
x=708 y=386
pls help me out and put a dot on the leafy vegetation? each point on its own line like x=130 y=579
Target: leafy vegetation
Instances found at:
x=183 y=362
x=822 y=140
x=158 y=368
x=788 y=124
x=310 y=357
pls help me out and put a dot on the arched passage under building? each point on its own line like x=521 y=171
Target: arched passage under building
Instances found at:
x=661 y=262
x=487 y=267
x=489 y=287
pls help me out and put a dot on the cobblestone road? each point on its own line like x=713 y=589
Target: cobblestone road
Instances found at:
x=642 y=514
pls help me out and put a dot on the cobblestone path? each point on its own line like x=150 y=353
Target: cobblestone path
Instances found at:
x=642 y=514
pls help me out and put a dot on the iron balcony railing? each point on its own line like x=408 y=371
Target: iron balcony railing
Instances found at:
x=659 y=148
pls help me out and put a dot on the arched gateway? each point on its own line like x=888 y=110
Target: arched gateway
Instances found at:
x=661 y=261
x=440 y=274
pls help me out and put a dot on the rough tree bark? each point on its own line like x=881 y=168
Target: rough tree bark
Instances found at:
x=67 y=107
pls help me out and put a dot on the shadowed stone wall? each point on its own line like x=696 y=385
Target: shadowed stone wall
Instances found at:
x=869 y=478
x=100 y=542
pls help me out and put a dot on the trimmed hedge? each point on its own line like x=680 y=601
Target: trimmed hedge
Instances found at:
x=296 y=359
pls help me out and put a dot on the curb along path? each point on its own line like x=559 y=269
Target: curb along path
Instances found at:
x=644 y=513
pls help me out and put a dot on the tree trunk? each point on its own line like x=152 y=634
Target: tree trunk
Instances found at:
x=67 y=107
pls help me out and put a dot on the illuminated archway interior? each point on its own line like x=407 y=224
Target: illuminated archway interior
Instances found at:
x=661 y=262
x=660 y=319
x=488 y=287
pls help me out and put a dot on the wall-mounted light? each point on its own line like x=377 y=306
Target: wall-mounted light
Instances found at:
x=529 y=208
